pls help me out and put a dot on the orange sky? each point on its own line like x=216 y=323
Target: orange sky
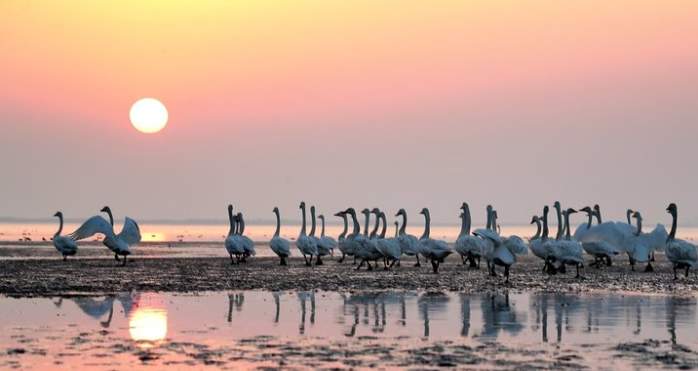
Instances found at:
x=240 y=75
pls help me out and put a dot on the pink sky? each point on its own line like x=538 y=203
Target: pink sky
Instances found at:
x=362 y=103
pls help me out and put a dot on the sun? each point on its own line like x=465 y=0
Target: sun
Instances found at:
x=148 y=115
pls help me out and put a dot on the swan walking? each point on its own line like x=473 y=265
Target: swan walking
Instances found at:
x=537 y=244
x=342 y=245
x=279 y=245
x=641 y=245
x=233 y=244
x=566 y=251
x=247 y=242
x=64 y=244
x=469 y=247
x=388 y=247
x=118 y=243
x=368 y=246
x=352 y=242
x=681 y=254
x=322 y=249
x=602 y=251
x=433 y=250
x=501 y=251
x=306 y=245
x=408 y=243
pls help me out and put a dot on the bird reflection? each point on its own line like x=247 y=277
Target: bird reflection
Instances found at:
x=465 y=314
x=679 y=310
x=376 y=304
x=498 y=315
x=236 y=301
x=98 y=308
x=277 y=305
x=431 y=303
x=303 y=297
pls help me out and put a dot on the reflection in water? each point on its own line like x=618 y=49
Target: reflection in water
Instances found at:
x=498 y=315
x=235 y=301
x=682 y=309
x=431 y=303
x=373 y=304
x=304 y=296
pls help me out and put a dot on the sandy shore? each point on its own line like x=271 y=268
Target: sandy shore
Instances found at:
x=50 y=276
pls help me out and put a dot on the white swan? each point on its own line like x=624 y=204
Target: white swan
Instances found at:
x=503 y=251
x=584 y=227
x=368 y=247
x=247 y=242
x=408 y=243
x=433 y=250
x=469 y=247
x=118 y=243
x=388 y=247
x=326 y=241
x=64 y=244
x=352 y=241
x=566 y=251
x=342 y=244
x=233 y=244
x=601 y=250
x=536 y=243
x=641 y=245
x=322 y=249
x=279 y=245
x=680 y=253
x=305 y=244
x=488 y=244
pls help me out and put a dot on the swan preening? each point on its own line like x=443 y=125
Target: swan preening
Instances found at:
x=119 y=244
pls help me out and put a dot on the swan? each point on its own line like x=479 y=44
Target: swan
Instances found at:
x=641 y=245
x=247 y=242
x=503 y=251
x=682 y=254
x=279 y=245
x=352 y=241
x=368 y=247
x=397 y=229
x=327 y=241
x=469 y=247
x=341 y=239
x=233 y=244
x=388 y=247
x=322 y=249
x=604 y=240
x=64 y=244
x=488 y=243
x=599 y=249
x=566 y=251
x=560 y=226
x=118 y=243
x=408 y=243
x=537 y=244
x=629 y=214
x=305 y=244
x=434 y=250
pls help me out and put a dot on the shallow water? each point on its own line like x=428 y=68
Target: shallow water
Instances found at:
x=328 y=329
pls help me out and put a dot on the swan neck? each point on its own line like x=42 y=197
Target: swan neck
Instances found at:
x=560 y=226
x=368 y=215
x=278 y=224
x=427 y=226
x=468 y=220
x=674 y=222
x=545 y=225
x=639 y=227
x=241 y=225
x=231 y=231
x=567 y=227
x=303 y=220
x=322 y=227
x=356 y=228
x=463 y=226
x=111 y=217
x=384 y=229
x=628 y=214
x=312 y=222
x=590 y=217
x=489 y=219
x=403 y=227
x=346 y=227
x=598 y=216
x=60 y=225
x=538 y=230
x=374 y=232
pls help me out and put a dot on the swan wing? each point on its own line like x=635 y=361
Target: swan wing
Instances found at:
x=92 y=226
x=488 y=234
x=130 y=233
x=516 y=245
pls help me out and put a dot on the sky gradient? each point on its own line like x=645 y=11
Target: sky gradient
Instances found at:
x=362 y=103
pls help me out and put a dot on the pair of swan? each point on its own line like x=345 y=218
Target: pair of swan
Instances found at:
x=468 y=246
x=64 y=244
x=305 y=244
x=388 y=247
x=499 y=251
x=325 y=245
x=563 y=249
x=681 y=254
x=367 y=248
x=120 y=243
x=237 y=244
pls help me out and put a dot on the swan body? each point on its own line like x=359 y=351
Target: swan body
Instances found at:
x=536 y=244
x=565 y=251
x=640 y=246
x=64 y=244
x=118 y=243
x=469 y=247
x=367 y=248
x=322 y=249
x=682 y=254
x=342 y=244
x=326 y=241
x=503 y=251
x=247 y=242
x=279 y=245
x=388 y=247
x=233 y=244
x=434 y=250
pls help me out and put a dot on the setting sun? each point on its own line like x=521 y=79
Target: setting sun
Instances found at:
x=148 y=115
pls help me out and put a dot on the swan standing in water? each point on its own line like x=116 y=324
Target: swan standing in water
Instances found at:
x=233 y=244
x=118 y=243
x=408 y=243
x=247 y=242
x=680 y=253
x=279 y=245
x=64 y=244
x=469 y=247
x=433 y=250
x=322 y=249
x=305 y=244
x=326 y=241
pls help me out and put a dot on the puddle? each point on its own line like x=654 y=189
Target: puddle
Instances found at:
x=251 y=329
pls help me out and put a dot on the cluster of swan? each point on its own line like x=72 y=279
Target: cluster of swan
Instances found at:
x=602 y=241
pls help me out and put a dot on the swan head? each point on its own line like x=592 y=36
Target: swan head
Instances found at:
x=424 y=211
x=671 y=209
x=302 y=205
x=637 y=215
x=571 y=211
x=489 y=208
x=401 y=212
x=350 y=211
x=464 y=206
x=230 y=207
x=105 y=209
x=321 y=216
x=586 y=209
x=275 y=210
x=597 y=208
x=376 y=211
x=340 y=214
x=557 y=205
x=58 y=214
x=535 y=219
x=366 y=211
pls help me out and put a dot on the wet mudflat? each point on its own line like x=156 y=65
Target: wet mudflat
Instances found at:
x=387 y=329
x=87 y=275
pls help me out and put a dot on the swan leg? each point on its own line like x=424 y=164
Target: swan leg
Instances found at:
x=649 y=268
x=283 y=261
x=464 y=258
x=632 y=264
x=393 y=263
x=435 y=265
x=473 y=264
x=418 y=263
x=675 y=276
x=361 y=264
x=341 y=259
x=506 y=273
x=652 y=256
x=116 y=256
x=687 y=268
x=123 y=263
x=318 y=261
x=65 y=257
x=232 y=262
x=609 y=262
x=369 y=266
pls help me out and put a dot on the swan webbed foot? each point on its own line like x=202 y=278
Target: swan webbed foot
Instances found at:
x=116 y=257
x=318 y=261
x=435 y=266
x=649 y=268
x=417 y=264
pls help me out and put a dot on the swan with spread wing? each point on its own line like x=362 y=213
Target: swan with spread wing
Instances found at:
x=119 y=244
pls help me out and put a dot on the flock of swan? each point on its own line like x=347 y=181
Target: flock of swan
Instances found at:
x=601 y=240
